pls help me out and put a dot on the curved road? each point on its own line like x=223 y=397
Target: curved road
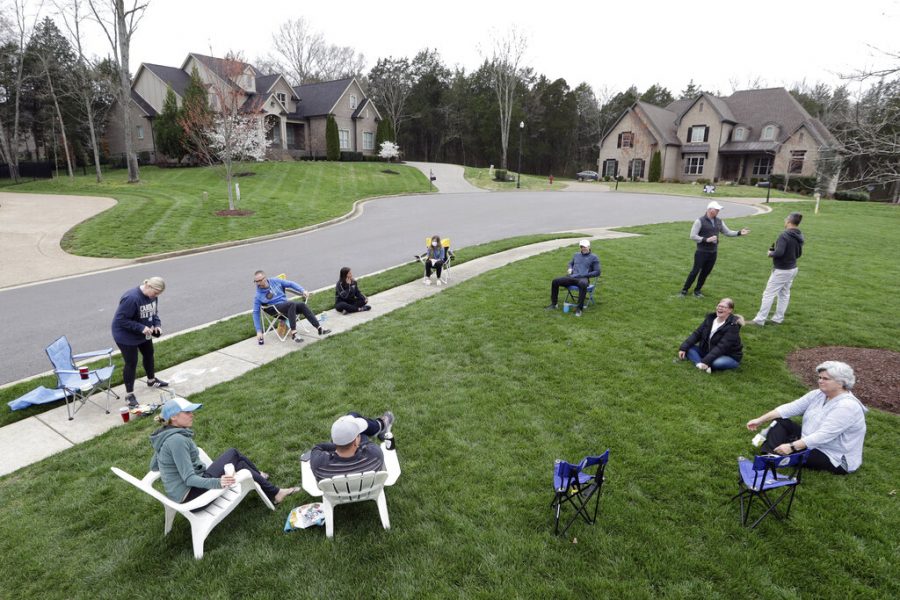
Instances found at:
x=205 y=287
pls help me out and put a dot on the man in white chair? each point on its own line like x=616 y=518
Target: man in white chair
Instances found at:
x=351 y=450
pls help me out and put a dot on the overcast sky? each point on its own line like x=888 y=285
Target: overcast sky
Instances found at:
x=608 y=44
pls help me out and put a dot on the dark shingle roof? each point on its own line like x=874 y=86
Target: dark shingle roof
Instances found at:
x=662 y=120
x=679 y=106
x=173 y=76
x=265 y=83
x=143 y=104
x=317 y=99
x=220 y=66
x=747 y=147
x=758 y=108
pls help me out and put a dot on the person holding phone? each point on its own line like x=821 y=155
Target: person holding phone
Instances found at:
x=134 y=326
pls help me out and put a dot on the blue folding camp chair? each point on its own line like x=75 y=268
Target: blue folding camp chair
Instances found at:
x=759 y=477
x=574 y=486
x=79 y=384
x=572 y=293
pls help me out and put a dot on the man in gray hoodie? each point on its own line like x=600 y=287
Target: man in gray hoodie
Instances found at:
x=582 y=268
x=784 y=252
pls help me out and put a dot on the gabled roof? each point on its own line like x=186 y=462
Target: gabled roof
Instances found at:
x=364 y=104
x=663 y=121
x=264 y=83
x=757 y=108
x=172 y=76
x=318 y=99
x=717 y=104
x=143 y=104
x=220 y=66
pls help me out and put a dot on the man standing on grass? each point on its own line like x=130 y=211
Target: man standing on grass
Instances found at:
x=705 y=232
x=582 y=267
x=784 y=252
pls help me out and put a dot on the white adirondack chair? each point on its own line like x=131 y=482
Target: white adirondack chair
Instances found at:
x=215 y=504
x=358 y=487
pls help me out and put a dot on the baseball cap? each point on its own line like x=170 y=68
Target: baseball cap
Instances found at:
x=345 y=429
x=177 y=405
x=714 y=205
x=585 y=243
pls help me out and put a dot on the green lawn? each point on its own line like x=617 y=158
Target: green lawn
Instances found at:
x=166 y=210
x=481 y=178
x=488 y=390
x=686 y=189
x=174 y=351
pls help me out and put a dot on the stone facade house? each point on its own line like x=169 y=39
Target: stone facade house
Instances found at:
x=294 y=117
x=748 y=135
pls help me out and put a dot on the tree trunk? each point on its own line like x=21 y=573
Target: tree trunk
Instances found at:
x=134 y=174
x=62 y=125
x=94 y=145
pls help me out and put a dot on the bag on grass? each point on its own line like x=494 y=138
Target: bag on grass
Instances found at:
x=305 y=516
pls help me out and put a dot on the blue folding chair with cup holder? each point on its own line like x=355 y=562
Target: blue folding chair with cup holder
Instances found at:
x=80 y=383
x=759 y=478
x=572 y=292
x=573 y=486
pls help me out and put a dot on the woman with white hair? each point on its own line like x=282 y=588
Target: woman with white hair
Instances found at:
x=834 y=423
x=134 y=326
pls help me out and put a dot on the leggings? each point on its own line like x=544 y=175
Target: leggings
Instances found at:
x=217 y=468
x=130 y=356
x=355 y=305
x=438 y=265
x=785 y=431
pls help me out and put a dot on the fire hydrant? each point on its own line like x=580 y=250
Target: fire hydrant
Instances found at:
x=551 y=178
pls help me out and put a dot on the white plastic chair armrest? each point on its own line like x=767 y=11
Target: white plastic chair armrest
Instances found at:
x=308 y=480
x=391 y=465
x=204 y=457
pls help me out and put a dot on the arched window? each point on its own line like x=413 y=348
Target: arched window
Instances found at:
x=740 y=134
x=768 y=133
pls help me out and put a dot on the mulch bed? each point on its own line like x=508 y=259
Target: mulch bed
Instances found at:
x=877 y=372
x=234 y=213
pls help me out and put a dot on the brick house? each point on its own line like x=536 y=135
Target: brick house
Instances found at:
x=294 y=116
x=750 y=134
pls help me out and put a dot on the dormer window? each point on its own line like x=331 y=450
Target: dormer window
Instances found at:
x=353 y=101
x=282 y=97
x=768 y=133
x=740 y=134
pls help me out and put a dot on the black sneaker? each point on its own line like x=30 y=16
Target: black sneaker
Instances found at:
x=131 y=401
x=366 y=307
x=157 y=383
x=578 y=313
x=323 y=331
x=697 y=294
x=682 y=293
x=387 y=420
x=550 y=307
x=297 y=338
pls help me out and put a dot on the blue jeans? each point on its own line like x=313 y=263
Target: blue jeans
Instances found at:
x=722 y=363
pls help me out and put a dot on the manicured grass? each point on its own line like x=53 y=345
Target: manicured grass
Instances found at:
x=166 y=211
x=483 y=179
x=174 y=351
x=686 y=189
x=488 y=390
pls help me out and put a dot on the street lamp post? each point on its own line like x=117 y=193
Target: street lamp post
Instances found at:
x=519 y=172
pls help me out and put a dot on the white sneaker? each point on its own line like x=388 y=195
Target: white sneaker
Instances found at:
x=439 y=282
x=427 y=280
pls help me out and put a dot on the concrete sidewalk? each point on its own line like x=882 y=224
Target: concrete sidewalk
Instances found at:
x=38 y=437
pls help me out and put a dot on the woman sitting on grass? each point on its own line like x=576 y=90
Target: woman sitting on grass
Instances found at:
x=177 y=458
x=347 y=297
x=834 y=423
x=716 y=344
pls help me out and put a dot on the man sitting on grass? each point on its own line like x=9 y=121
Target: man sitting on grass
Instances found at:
x=350 y=450
x=582 y=267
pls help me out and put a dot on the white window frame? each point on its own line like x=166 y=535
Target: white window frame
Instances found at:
x=609 y=165
x=140 y=132
x=762 y=166
x=698 y=132
x=795 y=165
x=353 y=103
x=768 y=133
x=628 y=139
x=282 y=97
x=368 y=140
x=344 y=137
x=740 y=134
x=693 y=164
x=634 y=163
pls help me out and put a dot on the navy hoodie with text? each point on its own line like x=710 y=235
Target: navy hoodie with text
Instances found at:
x=135 y=312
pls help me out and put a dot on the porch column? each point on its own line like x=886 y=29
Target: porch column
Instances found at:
x=741 y=167
x=282 y=124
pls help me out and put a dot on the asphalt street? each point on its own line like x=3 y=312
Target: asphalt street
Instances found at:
x=208 y=286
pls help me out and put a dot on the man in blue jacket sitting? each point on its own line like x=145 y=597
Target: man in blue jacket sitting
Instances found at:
x=583 y=266
x=270 y=295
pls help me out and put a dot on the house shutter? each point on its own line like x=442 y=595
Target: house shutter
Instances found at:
x=630 y=163
x=619 y=141
x=616 y=164
x=688 y=140
x=706 y=134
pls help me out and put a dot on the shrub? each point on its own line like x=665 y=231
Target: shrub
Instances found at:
x=754 y=181
x=655 y=167
x=856 y=196
x=702 y=181
x=499 y=174
x=332 y=141
x=606 y=178
x=347 y=156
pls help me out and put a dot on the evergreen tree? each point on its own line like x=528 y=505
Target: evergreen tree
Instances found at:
x=658 y=95
x=332 y=141
x=195 y=116
x=167 y=131
x=655 y=167
x=691 y=91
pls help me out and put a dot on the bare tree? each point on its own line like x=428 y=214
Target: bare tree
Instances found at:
x=305 y=56
x=23 y=29
x=119 y=24
x=505 y=66
x=390 y=84
x=73 y=15
x=51 y=90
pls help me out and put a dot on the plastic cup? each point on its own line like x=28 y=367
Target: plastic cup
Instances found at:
x=125 y=414
x=566 y=307
x=83 y=371
x=229 y=469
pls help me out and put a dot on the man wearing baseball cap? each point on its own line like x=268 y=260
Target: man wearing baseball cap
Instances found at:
x=705 y=232
x=582 y=267
x=350 y=450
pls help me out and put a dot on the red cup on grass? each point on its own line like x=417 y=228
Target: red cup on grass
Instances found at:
x=83 y=371
x=125 y=413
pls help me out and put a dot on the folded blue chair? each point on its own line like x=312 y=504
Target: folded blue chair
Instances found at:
x=575 y=487
x=758 y=478
x=39 y=395
x=79 y=384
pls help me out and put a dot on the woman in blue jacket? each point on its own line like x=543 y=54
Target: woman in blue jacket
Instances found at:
x=434 y=258
x=134 y=326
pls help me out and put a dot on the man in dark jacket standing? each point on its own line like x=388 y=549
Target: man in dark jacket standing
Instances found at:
x=705 y=231
x=785 y=252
